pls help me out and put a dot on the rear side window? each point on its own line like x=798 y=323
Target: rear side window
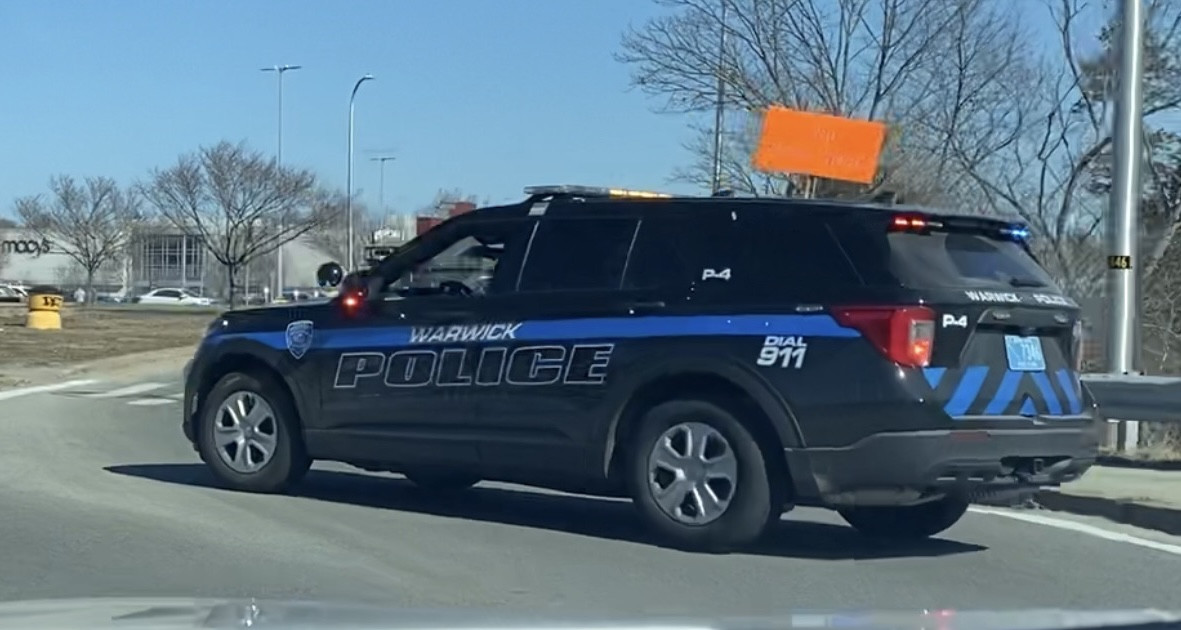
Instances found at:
x=963 y=259
x=757 y=255
x=578 y=254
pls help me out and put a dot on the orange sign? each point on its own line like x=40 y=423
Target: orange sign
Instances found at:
x=826 y=146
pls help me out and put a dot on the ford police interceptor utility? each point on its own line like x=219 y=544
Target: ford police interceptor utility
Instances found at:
x=718 y=360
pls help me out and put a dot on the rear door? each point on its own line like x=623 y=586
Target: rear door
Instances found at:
x=1005 y=335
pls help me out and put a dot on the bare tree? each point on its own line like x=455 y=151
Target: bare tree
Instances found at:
x=331 y=237
x=870 y=59
x=91 y=222
x=444 y=200
x=240 y=203
x=1041 y=155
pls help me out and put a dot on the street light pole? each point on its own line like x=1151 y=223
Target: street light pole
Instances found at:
x=279 y=70
x=719 y=107
x=349 y=184
x=381 y=184
x=1123 y=263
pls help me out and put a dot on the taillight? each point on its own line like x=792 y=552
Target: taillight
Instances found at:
x=1079 y=345
x=905 y=334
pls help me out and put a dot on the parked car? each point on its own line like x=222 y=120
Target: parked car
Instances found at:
x=11 y=295
x=174 y=297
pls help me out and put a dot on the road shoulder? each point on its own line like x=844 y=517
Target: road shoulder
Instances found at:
x=151 y=363
x=1146 y=498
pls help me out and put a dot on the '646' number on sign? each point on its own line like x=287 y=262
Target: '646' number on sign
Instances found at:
x=784 y=352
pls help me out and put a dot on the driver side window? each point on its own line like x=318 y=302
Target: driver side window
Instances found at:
x=465 y=267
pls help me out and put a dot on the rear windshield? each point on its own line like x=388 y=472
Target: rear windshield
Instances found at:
x=956 y=260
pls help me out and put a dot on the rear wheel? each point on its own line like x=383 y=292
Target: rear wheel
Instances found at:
x=909 y=522
x=699 y=477
x=250 y=435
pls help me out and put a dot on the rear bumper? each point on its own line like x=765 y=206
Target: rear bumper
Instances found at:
x=911 y=467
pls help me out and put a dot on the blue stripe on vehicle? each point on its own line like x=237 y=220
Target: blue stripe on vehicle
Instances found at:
x=1069 y=382
x=583 y=329
x=934 y=375
x=1004 y=393
x=966 y=391
x=1027 y=408
x=1043 y=385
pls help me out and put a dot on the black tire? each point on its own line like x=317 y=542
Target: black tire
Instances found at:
x=909 y=522
x=290 y=461
x=750 y=509
x=442 y=482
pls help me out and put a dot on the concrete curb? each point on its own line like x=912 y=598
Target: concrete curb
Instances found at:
x=1118 y=461
x=1126 y=511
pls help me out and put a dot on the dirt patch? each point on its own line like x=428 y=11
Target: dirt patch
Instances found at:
x=90 y=334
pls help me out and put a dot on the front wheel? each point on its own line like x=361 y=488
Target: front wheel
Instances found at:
x=249 y=434
x=699 y=477
x=909 y=522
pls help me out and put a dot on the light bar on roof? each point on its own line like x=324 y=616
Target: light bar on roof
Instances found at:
x=593 y=191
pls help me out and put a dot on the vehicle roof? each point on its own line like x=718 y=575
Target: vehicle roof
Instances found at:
x=574 y=205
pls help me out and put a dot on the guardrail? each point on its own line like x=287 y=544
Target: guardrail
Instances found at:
x=1127 y=401
x=1143 y=398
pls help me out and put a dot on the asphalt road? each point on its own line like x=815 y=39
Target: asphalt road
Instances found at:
x=101 y=496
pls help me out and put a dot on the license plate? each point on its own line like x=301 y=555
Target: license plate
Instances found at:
x=1025 y=353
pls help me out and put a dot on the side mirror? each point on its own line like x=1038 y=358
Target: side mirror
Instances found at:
x=330 y=274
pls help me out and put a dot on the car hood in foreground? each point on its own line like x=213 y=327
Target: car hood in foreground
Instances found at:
x=164 y=614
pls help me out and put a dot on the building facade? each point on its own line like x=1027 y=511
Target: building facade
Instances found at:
x=154 y=258
x=160 y=255
x=27 y=258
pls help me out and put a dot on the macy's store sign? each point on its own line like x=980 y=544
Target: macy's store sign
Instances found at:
x=26 y=247
x=28 y=258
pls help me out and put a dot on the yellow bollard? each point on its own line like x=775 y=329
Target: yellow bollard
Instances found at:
x=45 y=306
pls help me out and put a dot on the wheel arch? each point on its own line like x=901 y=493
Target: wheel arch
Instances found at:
x=759 y=407
x=247 y=360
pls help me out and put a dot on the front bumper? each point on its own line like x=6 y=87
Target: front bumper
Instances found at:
x=188 y=404
x=914 y=466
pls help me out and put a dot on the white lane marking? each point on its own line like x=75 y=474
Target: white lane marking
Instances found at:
x=148 y=402
x=39 y=389
x=1081 y=528
x=130 y=390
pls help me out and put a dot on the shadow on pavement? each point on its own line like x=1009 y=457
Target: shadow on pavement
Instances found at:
x=611 y=519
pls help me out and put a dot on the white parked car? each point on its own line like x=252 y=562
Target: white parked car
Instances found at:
x=175 y=297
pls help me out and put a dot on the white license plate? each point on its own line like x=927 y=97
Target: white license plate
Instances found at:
x=1025 y=353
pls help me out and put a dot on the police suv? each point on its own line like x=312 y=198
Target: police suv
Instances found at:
x=718 y=360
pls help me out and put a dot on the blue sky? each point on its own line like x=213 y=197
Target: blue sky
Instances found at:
x=484 y=96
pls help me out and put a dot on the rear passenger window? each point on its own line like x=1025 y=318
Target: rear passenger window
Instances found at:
x=771 y=255
x=577 y=254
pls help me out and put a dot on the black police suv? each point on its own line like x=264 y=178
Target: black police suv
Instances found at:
x=718 y=360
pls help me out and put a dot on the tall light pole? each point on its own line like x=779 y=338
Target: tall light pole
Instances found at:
x=279 y=70
x=381 y=185
x=719 y=106
x=1123 y=263
x=349 y=184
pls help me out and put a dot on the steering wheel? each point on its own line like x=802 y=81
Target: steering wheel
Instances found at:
x=455 y=287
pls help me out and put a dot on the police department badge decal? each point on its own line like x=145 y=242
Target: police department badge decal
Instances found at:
x=299 y=337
